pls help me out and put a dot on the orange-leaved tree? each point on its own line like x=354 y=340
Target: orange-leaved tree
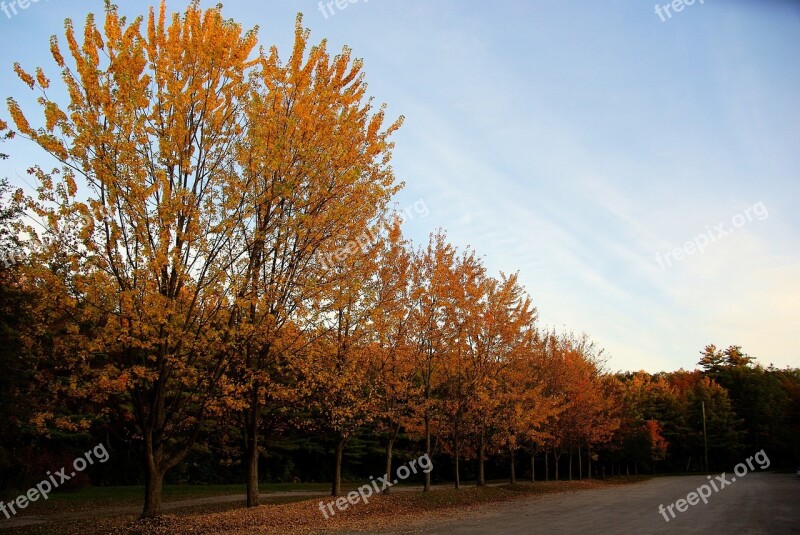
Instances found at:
x=315 y=169
x=146 y=188
x=394 y=389
x=431 y=298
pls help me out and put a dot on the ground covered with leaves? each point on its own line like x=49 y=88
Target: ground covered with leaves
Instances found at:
x=406 y=511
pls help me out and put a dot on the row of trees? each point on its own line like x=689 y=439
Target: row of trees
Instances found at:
x=175 y=278
x=194 y=276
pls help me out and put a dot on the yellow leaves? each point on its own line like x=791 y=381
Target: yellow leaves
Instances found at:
x=41 y=79
x=53 y=115
x=19 y=118
x=24 y=76
x=112 y=26
x=92 y=41
x=53 y=145
x=72 y=43
x=55 y=51
x=39 y=422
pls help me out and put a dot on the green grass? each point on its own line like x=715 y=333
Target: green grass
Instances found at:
x=60 y=502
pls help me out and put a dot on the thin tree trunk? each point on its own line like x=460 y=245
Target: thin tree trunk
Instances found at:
x=337 y=472
x=427 y=486
x=457 y=452
x=569 y=464
x=533 y=464
x=481 y=453
x=389 y=448
x=251 y=463
x=589 y=460
x=580 y=464
x=556 y=459
x=546 y=465
x=513 y=472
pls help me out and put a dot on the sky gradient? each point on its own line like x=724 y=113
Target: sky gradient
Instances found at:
x=579 y=143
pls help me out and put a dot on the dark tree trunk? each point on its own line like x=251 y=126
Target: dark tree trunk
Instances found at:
x=389 y=449
x=154 y=481
x=252 y=421
x=589 y=461
x=337 y=470
x=457 y=453
x=533 y=464
x=546 y=465
x=556 y=459
x=580 y=464
x=513 y=471
x=569 y=464
x=481 y=454
x=427 y=486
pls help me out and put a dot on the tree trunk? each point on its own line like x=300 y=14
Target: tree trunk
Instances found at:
x=589 y=460
x=513 y=472
x=154 y=481
x=556 y=459
x=533 y=464
x=546 y=465
x=427 y=486
x=252 y=420
x=389 y=449
x=570 y=464
x=481 y=453
x=337 y=471
x=580 y=464
x=457 y=453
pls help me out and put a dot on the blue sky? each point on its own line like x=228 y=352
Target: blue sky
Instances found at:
x=580 y=143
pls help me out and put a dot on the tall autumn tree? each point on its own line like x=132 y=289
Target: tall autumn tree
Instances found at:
x=315 y=171
x=525 y=406
x=343 y=369
x=431 y=299
x=458 y=400
x=496 y=338
x=395 y=389
x=148 y=134
x=15 y=313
